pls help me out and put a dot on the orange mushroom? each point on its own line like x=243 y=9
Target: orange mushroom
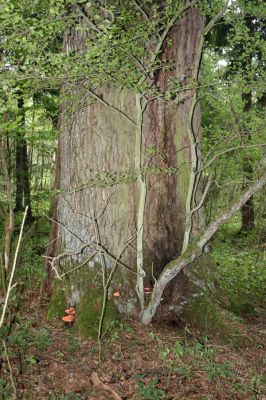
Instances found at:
x=116 y=294
x=70 y=311
x=69 y=320
x=147 y=290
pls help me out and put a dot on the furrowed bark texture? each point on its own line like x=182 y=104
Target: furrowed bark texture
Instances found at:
x=166 y=126
x=97 y=148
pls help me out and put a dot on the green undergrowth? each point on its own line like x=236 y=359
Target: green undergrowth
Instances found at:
x=184 y=359
x=241 y=260
x=30 y=271
x=20 y=345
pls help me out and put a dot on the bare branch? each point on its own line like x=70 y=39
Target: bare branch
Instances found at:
x=105 y=103
x=10 y=285
x=10 y=371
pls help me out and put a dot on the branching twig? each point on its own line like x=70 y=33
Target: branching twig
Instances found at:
x=203 y=197
x=80 y=265
x=244 y=146
x=53 y=260
x=143 y=12
x=216 y=17
x=106 y=285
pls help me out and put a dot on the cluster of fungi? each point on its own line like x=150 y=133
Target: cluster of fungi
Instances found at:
x=147 y=291
x=69 y=318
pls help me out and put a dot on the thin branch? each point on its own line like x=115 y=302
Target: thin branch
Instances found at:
x=10 y=285
x=10 y=371
x=105 y=288
x=86 y=16
x=105 y=103
x=203 y=197
x=216 y=17
x=65 y=227
x=117 y=259
x=96 y=382
x=142 y=186
x=98 y=216
x=228 y=151
x=143 y=12
x=53 y=260
x=117 y=262
x=106 y=285
x=163 y=37
x=192 y=186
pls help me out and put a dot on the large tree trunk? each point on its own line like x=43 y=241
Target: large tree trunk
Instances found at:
x=125 y=175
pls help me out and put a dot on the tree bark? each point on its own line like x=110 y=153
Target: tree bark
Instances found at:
x=23 y=195
x=9 y=215
x=126 y=175
x=247 y=211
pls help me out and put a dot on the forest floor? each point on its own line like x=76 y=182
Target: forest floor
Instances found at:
x=136 y=362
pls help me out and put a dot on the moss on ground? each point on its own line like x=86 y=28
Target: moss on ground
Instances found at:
x=209 y=319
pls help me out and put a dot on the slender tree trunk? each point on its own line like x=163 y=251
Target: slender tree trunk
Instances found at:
x=23 y=195
x=9 y=215
x=247 y=211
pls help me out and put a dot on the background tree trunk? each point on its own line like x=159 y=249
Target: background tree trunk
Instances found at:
x=23 y=196
x=247 y=211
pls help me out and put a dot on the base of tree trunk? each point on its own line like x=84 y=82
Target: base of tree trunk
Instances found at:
x=195 y=301
x=189 y=301
x=248 y=216
x=85 y=293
